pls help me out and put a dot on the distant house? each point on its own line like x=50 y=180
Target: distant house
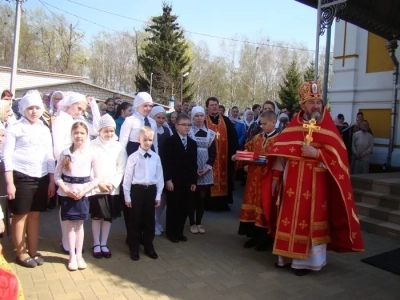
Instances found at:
x=46 y=82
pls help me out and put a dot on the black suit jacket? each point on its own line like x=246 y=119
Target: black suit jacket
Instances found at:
x=179 y=165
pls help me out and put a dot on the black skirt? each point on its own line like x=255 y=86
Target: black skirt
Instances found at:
x=105 y=207
x=74 y=210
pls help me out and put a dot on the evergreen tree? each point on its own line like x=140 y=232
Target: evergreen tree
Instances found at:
x=310 y=72
x=165 y=54
x=288 y=92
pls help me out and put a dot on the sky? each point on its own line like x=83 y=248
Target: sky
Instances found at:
x=280 y=20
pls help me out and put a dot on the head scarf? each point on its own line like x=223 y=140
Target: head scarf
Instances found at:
x=3 y=106
x=51 y=104
x=156 y=110
x=248 y=124
x=70 y=99
x=233 y=120
x=106 y=121
x=31 y=98
x=283 y=115
x=142 y=98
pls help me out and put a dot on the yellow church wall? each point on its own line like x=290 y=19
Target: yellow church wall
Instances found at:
x=378 y=59
x=379 y=121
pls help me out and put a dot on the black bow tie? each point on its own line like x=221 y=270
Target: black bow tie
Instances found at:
x=146 y=155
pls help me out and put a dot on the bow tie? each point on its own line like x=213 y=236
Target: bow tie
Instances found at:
x=146 y=155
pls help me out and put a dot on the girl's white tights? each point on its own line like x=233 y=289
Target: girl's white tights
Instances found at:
x=75 y=235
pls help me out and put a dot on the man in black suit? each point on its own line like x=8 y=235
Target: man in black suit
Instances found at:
x=179 y=160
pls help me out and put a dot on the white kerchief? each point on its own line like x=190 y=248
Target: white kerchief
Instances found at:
x=69 y=100
x=106 y=121
x=31 y=98
x=156 y=110
x=142 y=98
x=197 y=110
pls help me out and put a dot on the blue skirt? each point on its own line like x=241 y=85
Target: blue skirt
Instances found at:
x=74 y=210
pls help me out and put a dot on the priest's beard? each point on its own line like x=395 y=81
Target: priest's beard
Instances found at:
x=314 y=115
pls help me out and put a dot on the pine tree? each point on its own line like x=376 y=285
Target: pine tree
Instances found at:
x=165 y=54
x=288 y=92
x=310 y=72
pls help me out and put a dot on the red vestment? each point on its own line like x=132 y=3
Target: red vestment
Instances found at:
x=10 y=287
x=252 y=210
x=220 y=167
x=316 y=199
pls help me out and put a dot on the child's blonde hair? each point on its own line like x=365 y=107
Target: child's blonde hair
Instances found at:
x=146 y=130
x=67 y=159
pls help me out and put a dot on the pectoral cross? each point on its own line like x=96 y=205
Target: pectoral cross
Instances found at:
x=311 y=127
x=217 y=134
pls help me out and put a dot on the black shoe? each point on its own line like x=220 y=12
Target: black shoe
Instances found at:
x=135 y=256
x=173 y=239
x=38 y=258
x=182 y=238
x=151 y=253
x=301 y=272
x=96 y=254
x=250 y=243
x=28 y=262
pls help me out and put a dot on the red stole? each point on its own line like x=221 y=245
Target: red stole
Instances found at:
x=220 y=168
x=317 y=202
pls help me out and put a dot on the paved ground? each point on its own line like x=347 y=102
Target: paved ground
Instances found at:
x=209 y=266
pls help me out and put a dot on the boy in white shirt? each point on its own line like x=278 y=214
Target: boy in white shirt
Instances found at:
x=143 y=184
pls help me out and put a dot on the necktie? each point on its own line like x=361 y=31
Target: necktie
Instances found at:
x=146 y=122
x=146 y=155
x=266 y=135
x=184 y=141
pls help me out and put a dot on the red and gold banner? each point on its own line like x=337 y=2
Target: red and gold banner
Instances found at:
x=220 y=168
x=317 y=202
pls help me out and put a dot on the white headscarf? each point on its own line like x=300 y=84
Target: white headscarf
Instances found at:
x=197 y=110
x=248 y=124
x=155 y=111
x=51 y=105
x=31 y=98
x=69 y=100
x=106 y=121
x=142 y=98
x=234 y=120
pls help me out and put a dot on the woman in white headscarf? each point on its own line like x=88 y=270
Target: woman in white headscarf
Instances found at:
x=248 y=118
x=70 y=109
x=104 y=205
x=29 y=172
x=163 y=132
x=206 y=154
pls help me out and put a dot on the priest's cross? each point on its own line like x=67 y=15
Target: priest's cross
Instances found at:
x=217 y=134
x=311 y=127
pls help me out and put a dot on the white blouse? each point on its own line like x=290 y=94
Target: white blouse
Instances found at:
x=28 y=149
x=112 y=161
x=82 y=165
x=131 y=127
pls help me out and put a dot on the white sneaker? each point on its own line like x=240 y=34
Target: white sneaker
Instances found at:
x=193 y=229
x=157 y=232
x=201 y=229
x=160 y=227
x=81 y=264
x=73 y=265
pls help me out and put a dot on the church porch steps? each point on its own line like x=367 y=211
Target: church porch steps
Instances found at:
x=377 y=198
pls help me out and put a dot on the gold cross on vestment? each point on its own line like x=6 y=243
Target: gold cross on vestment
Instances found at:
x=217 y=134
x=311 y=127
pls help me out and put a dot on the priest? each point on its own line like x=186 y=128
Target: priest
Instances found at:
x=226 y=142
x=316 y=203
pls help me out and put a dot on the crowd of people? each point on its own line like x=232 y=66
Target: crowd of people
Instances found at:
x=113 y=159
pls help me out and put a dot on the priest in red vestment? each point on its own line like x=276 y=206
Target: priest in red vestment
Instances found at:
x=226 y=144
x=316 y=210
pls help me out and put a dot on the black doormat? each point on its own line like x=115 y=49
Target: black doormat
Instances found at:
x=388 y=261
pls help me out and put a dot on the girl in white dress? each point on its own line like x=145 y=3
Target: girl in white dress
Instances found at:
x=76 y=175
x=104 y=205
